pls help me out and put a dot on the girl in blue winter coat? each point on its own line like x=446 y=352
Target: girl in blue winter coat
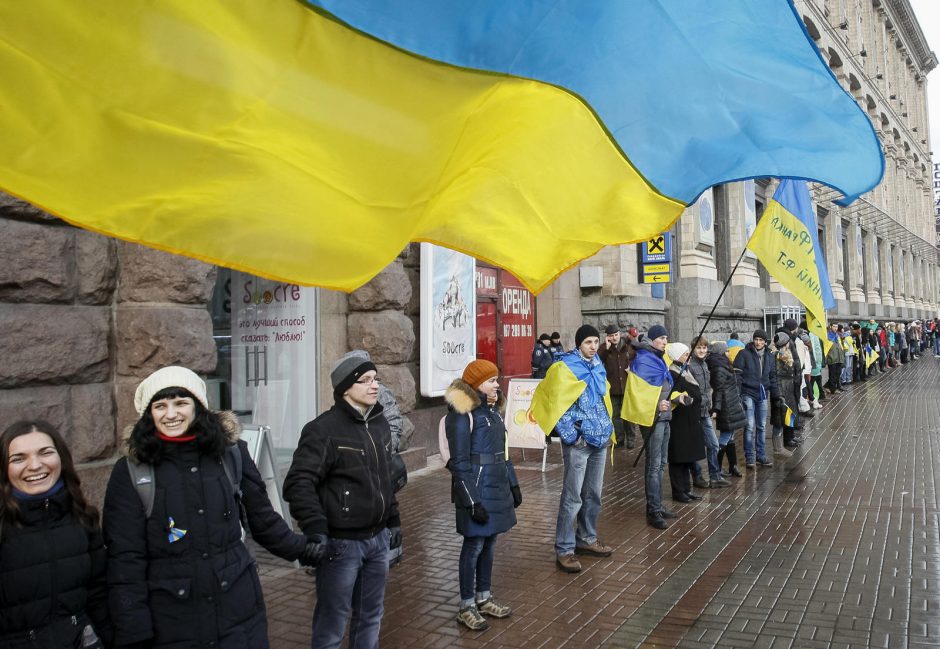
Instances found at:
x=484 y=489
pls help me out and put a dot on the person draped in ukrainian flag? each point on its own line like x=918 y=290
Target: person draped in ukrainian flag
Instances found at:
x=647 y=402
x=574 y=399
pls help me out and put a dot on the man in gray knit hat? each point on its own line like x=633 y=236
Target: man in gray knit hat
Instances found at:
x=340 y=492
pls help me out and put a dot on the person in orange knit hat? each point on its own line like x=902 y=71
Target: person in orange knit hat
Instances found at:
x=485 y=491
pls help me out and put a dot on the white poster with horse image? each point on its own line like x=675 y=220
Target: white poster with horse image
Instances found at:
x=448 y=317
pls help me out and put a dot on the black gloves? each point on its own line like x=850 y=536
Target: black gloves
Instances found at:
x=479 y=514
x=314 y=551
x=516 y=496
x=394 y=539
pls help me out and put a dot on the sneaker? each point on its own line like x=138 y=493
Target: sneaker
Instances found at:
x=817 y=405
x=749 y=464
x=596 y=549
x=717 y=483
x=493 y=608
x=470 y=617
x=764 y=462
x=568 y=563
x=700 y=482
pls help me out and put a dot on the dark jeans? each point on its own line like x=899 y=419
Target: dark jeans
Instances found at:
x=657 y=450
x=476 y=565
x=816 y=380
x=835 y=376
x=351 y=579
x=680 y=478
x=622 y=429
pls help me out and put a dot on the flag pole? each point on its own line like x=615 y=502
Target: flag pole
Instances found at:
x=721 y=295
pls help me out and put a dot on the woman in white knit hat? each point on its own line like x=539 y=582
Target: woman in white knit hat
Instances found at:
x=179 y=573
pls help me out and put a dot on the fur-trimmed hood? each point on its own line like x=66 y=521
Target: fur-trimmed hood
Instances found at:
x=228 y=419
x=463 y=398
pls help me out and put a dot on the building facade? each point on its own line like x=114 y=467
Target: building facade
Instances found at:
x=880 y=250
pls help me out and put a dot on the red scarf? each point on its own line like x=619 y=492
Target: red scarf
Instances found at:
x=181 y=438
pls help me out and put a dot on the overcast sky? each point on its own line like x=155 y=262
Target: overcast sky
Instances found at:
x=928 y=15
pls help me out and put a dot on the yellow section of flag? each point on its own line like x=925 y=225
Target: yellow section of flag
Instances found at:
x=784 y=243
x=265 y=136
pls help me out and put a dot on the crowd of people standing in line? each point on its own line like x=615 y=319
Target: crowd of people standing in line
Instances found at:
x=166 y=564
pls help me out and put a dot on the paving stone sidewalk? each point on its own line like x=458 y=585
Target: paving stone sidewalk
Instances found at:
x=836 y=547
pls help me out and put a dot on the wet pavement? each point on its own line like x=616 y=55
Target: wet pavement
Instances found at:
x=835 y=547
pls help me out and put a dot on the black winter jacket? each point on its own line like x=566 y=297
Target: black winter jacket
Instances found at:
x=476 y=476
x=686 y=436
x=52 y=578
x=755 y=372
x=338 y=483
x=726 y=399
x=203 y=589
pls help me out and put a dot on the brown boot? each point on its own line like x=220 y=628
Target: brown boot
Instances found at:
x=596 y=549
x=568 y=563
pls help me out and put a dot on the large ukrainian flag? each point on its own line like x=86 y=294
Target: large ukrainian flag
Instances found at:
x=311 y=143
x=644 y=385
x=786 y=242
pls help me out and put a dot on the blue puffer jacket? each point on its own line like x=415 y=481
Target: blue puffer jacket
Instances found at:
x=481 y=472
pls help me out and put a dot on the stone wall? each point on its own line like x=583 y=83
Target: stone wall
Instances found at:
x=382 y=320
x=84 y=318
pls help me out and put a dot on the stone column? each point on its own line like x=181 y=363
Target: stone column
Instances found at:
x=160 y=319
x=873 y=278
x=887 y=277
x=740 y=202
x=56 y=289
x=856 y=280
x=380 y=322
x=696 y=255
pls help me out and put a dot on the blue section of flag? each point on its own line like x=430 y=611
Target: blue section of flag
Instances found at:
x=695 y=93
x=793 y=196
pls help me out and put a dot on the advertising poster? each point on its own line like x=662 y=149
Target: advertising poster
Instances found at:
x=448 y=317
x=274 y=355
x=521 y=428
x=517 y=326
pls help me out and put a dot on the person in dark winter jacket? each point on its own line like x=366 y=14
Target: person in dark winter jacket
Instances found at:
x=686 y=438
x=542 y=356
x=726 y=404
x=698 y=367
x=53 y=588
x=615 y=353
x=557 y=348
x=485 y=490
x=783 y=409
x=182 y=576
x=757 y=381
x=340 y=492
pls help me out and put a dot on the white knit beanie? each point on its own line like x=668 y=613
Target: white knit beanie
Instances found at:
x=675 y=350
x=169 y=377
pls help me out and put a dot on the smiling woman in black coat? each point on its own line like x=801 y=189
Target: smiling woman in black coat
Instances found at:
x=182 y=577
x=52 y=558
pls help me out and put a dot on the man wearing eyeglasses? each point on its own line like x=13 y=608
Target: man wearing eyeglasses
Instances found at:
x=339 y=491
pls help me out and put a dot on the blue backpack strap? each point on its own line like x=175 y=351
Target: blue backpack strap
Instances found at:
x=143 y=480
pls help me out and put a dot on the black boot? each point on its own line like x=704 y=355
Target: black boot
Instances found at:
x=732 y=454
x=721 y=458
x=788 y=438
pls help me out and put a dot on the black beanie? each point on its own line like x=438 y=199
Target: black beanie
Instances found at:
x=760 y=333
x=585 y=331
